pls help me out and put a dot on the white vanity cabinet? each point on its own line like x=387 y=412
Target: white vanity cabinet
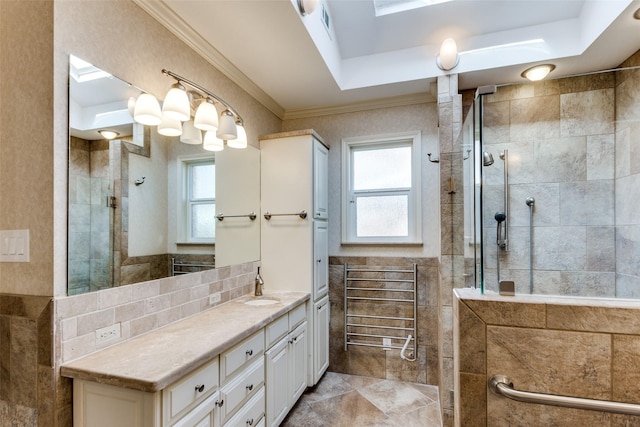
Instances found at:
x=230 y=390
x=294 y=249
x=286 y=368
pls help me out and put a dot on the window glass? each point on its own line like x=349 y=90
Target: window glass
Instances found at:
x=382 y=216
x=203 y=180
x=382 y=168
x=203 y=220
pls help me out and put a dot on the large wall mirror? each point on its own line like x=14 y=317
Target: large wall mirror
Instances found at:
x=143 y=206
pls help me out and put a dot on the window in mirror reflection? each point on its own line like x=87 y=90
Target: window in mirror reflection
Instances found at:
x=200 y=197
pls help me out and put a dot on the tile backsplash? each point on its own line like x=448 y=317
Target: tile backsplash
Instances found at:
x=90 y=322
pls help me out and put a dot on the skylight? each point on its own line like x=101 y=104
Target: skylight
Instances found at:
x=387 y=7
x=82 y=71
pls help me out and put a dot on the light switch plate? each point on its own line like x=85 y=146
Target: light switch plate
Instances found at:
x=14 y=245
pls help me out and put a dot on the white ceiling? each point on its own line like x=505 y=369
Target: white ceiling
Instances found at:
x=294 y=66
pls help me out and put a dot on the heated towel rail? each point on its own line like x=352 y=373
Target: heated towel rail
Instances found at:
x=380 y=307
x=180 y=267
x=501 y=385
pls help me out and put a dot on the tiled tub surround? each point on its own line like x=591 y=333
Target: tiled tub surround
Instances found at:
x=579 y=347
x=376 y=362
x=155 y=360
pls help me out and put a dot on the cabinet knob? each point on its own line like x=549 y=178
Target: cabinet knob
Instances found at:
x=250 y=422
x=200 y=388
x=249 y=352
x=219 y=403
x=250 y=387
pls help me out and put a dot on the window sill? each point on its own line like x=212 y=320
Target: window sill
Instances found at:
x=196 y=243
x=378 y=243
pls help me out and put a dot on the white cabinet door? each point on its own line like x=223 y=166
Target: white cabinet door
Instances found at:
x=320 y=338
x=277 y=382
x=321 y=259
x=320 y=181
x=298 y=362
x=204 y=415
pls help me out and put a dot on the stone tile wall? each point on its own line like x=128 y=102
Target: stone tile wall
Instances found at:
x=573 y=347
x=26 y=361
x=560 y=137
x=376 y=362
x=627 y=180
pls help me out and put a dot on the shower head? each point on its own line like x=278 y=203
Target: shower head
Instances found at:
x=487 y=158
x=500 y=216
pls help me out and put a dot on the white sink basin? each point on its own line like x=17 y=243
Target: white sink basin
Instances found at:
x=261 y=301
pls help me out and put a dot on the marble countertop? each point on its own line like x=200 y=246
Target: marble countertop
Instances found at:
x=153 y=361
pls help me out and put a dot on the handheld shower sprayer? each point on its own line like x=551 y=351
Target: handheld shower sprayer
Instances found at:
x=500 y=217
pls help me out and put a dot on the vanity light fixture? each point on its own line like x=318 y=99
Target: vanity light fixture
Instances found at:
x=448 y=57
x=175 y=118
x=147 y=110
x=538 y=72
x=212 y=142
x=108 y=134
x=307 y=6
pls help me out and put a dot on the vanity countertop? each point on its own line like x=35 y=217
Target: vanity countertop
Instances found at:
x=153 y=361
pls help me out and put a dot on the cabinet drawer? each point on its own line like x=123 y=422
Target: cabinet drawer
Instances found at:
x=297 y=316
x=251 y=414
x=231 y=361
x=240 y=389
x=189 y=391
x=276 y=330
x=204 y=415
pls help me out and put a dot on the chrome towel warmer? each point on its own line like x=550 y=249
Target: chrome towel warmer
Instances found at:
x=391 y=291
x=178 y=268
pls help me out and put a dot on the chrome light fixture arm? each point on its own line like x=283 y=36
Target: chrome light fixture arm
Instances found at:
x=210 y=94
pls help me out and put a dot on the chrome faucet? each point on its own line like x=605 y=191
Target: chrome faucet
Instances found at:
x=259 y=284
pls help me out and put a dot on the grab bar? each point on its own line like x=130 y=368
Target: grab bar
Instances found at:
x=301 y=214
x=501 y=385
x=221 y=216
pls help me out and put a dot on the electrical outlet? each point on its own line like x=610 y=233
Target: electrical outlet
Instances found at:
x=110 y=333
x=214 y=298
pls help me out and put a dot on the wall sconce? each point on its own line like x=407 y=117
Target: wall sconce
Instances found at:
x=538 y=72
x=307 y=6
x=108 y=134
x=448 y=58
x=175 y=118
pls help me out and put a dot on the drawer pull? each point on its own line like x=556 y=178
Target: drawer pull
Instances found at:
x=250 y=422
x=219 y=403
x=249 y=352
x=200 y=388
x=291 y=341
x=250 y=387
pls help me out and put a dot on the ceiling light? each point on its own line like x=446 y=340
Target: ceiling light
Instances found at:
x=448 y=57
x=147 y=110
x=538 y=72
x=176 y=104
x=170 y=127
x=241 y=140
x=108 y=134
x=206 y=117
x=190 y=135
x=212 y=142
x=637 y=14
x=227 y=126
x=307 y=6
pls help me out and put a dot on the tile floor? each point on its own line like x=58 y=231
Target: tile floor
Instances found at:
x=354 y=401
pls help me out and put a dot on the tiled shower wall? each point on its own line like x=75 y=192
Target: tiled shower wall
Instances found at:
x=376 y=362
x=560 y=137
x=90 y=242
x=627 y=180
x=583 y=348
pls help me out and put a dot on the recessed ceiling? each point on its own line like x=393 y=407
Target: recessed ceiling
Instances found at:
x=294 y=64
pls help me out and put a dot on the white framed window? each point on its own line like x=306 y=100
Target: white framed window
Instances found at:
x=198 y=200
x=381 y=200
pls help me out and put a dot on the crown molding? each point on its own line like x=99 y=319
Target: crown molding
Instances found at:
x=165 y=16
x=397 y=101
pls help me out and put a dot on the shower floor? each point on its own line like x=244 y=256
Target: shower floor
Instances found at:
x=352 y=401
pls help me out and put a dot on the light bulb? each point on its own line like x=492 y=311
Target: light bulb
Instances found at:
x=227 y=126
x=176 y=104
x=147 y=110
x=190 y=135
x=206 y=116
x=212 y=142
x=241 y=140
